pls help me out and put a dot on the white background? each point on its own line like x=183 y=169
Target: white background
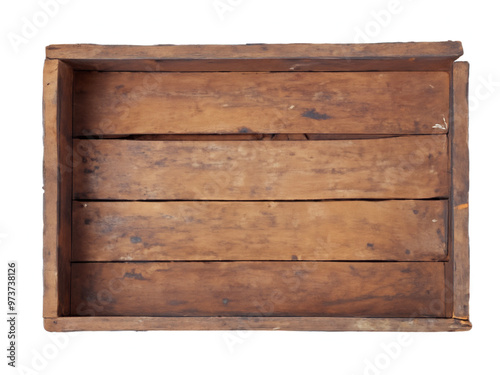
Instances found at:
x=247 y=21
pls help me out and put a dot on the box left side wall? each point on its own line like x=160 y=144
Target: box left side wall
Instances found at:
x=57 y=175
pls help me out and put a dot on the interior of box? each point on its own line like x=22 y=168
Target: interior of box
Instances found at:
x=208 y=193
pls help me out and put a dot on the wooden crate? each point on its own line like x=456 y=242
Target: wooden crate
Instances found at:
x=293 y=187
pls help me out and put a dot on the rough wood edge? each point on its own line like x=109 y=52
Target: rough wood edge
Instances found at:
x=460 y=192
x=254 y=323
x=450 y=50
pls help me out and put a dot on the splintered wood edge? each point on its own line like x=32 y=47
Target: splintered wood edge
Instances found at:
x=254 y=323
x=442 y=50
x=460 y=193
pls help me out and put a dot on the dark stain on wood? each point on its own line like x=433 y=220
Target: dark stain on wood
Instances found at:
x=312 y=113
x=354 y=271
x=135 y=239
x=134 y=275
x=441 y=235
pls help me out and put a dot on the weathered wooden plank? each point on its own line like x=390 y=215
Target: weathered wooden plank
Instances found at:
x=50 y=196
x=340 y=230
x=398 y=51
x=232 y=102
x=460 y=193
x=291 y=57
x=147 y=323
x=264 y=65
x=65 y=180
x=57 y=171
x=382 y=289
x=402 y=167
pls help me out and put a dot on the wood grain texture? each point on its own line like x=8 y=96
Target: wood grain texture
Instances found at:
x=65 y=151
x=265 y=58
x=231 y=102
x=450 y=50
x=57 y=103
x=146 y=323
x=414 y=63
x=340 y=230
x=399 y=289
x=460 y=192
x=50 y=187
x=402 y=167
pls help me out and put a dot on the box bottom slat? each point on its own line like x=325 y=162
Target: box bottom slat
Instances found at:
x=259 y=289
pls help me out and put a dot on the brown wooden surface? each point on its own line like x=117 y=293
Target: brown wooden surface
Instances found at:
x=396 y=289
x=65 y=151
x=340 y=230
x=366 y=158
x=414 y=63
x=50 y=212
x=146 y=323
x=284 y=57
x=402 y=167
x=57 y=104
x=450 y=50
x=460 y=193
x=231 y=102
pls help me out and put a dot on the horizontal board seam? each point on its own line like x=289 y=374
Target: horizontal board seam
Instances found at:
x=260 y=261
x=158 y=137
x=263 y=200
x=252 y=71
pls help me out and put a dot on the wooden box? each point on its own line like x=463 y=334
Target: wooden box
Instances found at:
x=292 y=187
